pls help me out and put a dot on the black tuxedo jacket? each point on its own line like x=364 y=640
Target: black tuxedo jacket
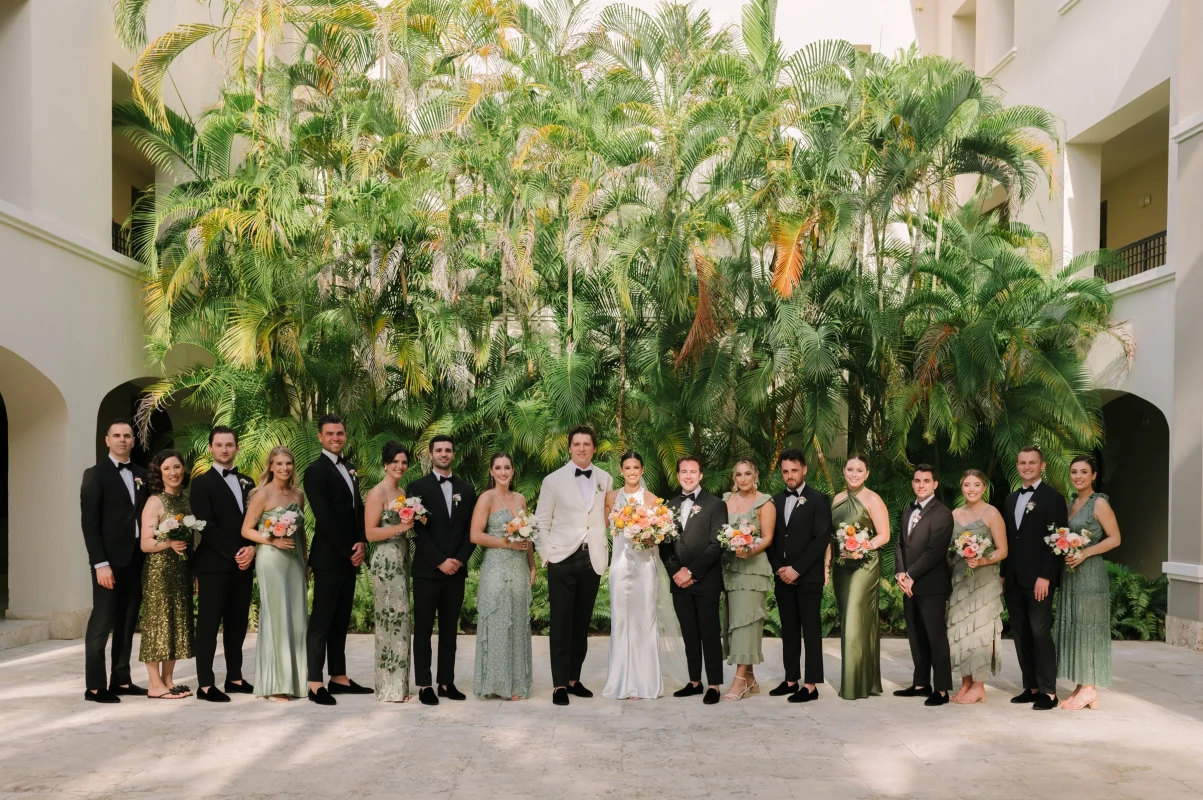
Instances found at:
x=923 y=553
x=108 y=518
x=1028 y=557
x=697 y=549
x=803 y=543
x=442 y=536
x=212 y=501
x=336 y=513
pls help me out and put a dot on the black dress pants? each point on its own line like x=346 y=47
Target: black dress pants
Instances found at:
x=927 y=633
x=572 y=590
x=1032 y=630
x=800 y=609
x=442 y=598
x=113 y=610
x=701 y=630
x=223 y=602
x=326 y=638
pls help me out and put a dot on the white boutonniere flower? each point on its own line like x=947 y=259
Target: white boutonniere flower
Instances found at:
x=243 y=481
x=455 y=498
x=801 y=501
x=352 y=473
x=1030 y=507
x=138 y=483
x=597 y=488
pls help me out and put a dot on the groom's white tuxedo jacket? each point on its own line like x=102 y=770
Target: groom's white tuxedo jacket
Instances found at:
x=566 y=520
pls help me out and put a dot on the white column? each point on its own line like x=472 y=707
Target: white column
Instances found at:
x=1081 y=193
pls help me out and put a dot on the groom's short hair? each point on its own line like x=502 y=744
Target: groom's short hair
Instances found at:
x=583 y=430
x=793 y=454
x=695 y=459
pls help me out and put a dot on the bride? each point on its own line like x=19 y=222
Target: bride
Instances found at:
x=645 y=640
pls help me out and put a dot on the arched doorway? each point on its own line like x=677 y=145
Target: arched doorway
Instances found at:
x=1136 y=476
x=122 y=403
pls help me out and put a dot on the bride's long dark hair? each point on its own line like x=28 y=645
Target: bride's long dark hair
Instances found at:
x=492 y=483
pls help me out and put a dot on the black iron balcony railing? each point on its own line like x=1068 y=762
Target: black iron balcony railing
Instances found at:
x=120 y=240
x=1140 y=256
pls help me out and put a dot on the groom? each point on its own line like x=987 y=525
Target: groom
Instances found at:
x=1030 y=575
x=572 y=542
x=693 y=565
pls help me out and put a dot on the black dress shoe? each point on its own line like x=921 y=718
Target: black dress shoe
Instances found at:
x=239 y=688
x=689 y=690
x=133 y=690
x=560 y=696
x=451 y=693
x=101 y=696
x=784 y=688
x=1025 y=697
x=804 y=695
x=322 y=697
x=711 y=697
x=579 y=689
x=1043 y=702
x=214 y=695
x=914 y=691
x=349 y=688
x=936 y=699
x=427 y=697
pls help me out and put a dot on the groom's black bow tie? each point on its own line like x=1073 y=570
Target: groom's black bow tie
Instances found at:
x=588 y=473
x=793 y=492
x=1027 y=490
x=443 y=479
x=916 y=506
x=126 y=465
x=689 y=496
x=227 y=472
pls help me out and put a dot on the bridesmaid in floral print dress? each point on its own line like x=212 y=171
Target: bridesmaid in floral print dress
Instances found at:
x=390 y=578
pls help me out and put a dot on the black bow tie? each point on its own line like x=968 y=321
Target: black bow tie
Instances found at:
x=690 y=496
x=916 y=506
x=793 y=492
x=126 y=465
x=1027 y=490
x=588 y=473
x=444 y=479
x=225 y=473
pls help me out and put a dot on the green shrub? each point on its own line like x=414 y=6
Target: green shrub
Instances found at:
x=1138 y=605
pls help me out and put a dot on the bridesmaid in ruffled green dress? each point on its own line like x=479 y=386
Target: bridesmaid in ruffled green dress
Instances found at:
x=1083 y=627
x=503 y=641
x=747 y=578
x=390 y=577
x=280 y=559
x=856 y=582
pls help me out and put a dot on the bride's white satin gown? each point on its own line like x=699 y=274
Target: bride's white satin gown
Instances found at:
x=634 y=668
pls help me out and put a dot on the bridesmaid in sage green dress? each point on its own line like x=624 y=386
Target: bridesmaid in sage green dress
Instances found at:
x=166 y=581
x=747 y=578
x=280 y=559
x=975 y=605
x=1083 y=626
x=856 y=582
x=503 y=598
x=390 y=577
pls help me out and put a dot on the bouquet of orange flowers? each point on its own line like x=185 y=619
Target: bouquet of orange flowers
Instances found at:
x=643 y=527
x=853 y=541
x=735 y=537
x=522 y=528
x=1065 y=542
x=404 y=509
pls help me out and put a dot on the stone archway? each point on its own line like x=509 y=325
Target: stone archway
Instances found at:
x=1136 y=476
x=122 y=403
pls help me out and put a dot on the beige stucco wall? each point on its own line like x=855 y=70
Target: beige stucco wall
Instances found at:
x=1128 y=220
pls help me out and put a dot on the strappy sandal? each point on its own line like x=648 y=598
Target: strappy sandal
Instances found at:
x=969 y=698
x=741 y=695
x=1078 y=703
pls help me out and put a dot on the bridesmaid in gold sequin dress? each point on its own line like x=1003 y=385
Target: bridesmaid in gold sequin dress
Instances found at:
x=166 y=581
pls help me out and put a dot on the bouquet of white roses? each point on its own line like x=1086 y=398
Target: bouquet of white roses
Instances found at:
x=853 y=541
x=738 y=537
x=404 y=509
x=1065 y=542
x=179 y=528
x=644 y=528
x=522 y=528
x=973 y=545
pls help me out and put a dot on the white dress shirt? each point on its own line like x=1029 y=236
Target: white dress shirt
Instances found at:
x=792 y=500
x=910 y=525
x=687 y=507
x=341 y=468
x=1021 y=504
x=231 y=479
x=127 y=477
x=584 y=484
x=447 y=490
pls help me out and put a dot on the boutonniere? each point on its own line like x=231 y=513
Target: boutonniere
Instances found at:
x=243 y=481
x=138 y=483
x=1030 y=507
x=801 y=501
x=351 y=471
x=597 y=488
x=455 y=498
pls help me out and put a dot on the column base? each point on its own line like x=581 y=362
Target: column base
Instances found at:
x=1186 y=633
x=64 y=623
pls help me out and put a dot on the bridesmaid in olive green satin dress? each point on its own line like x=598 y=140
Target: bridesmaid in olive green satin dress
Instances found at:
x=280 y=567
x=856 y=583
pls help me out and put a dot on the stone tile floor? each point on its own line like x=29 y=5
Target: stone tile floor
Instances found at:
x=1145 y=742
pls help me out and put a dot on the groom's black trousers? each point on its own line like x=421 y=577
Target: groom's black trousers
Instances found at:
x=701 y=630
x=444 y=598
x=800 y=608
x=572 y=590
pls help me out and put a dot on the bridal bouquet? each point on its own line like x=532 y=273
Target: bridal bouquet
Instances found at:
x=522 y=528
x=1065 y=542
x=735 y=537
x=644 y=528
x=178 y=528
x=281 y=523
x=404 y=509
x=973 y=545
x=853 y=541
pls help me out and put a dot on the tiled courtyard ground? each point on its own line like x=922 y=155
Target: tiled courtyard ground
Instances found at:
x=1145 y=742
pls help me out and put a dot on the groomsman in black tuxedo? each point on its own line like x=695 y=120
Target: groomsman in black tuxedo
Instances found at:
x=443 y=547
x=222 y=567
x=1030 y=576
x=338 y=550
x=693 y=565
x=798 y=558
x=921 y=553
x=111 y=500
